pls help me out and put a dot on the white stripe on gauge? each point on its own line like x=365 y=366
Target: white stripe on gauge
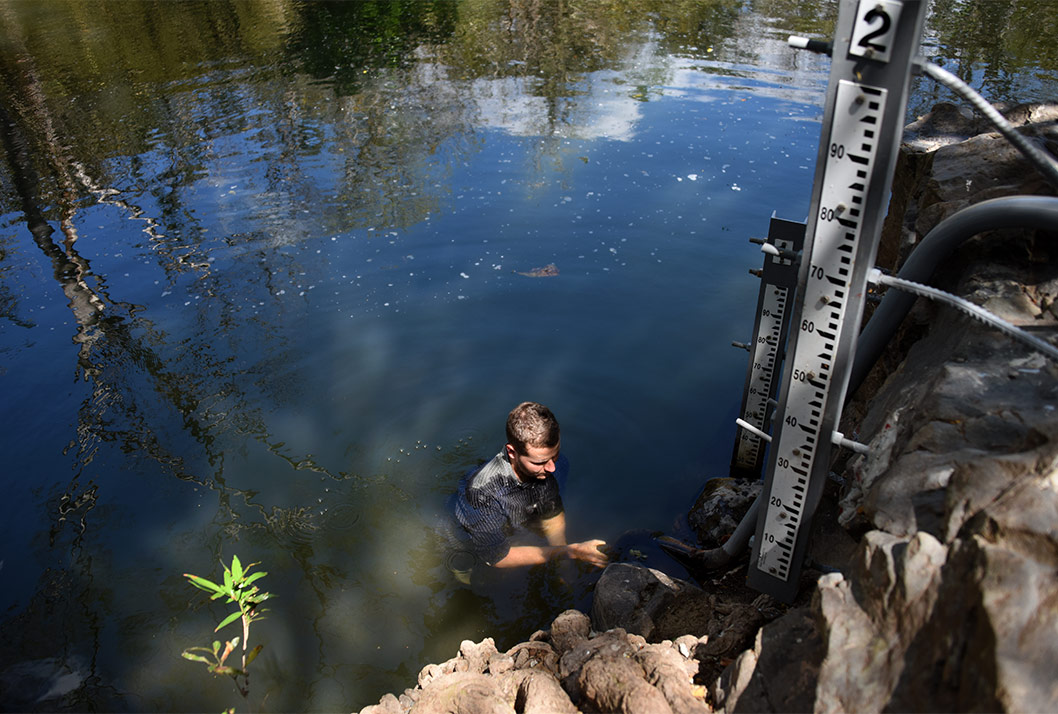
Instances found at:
x=766 y=361
x=857 y=117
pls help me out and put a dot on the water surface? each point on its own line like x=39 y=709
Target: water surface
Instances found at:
x=260 y=281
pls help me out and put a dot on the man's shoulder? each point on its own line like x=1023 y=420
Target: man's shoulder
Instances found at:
x=493 y=474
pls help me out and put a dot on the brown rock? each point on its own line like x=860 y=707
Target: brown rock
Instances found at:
x=463 y=693
x=534 y=655
x=535 y=691
x=616 y=684
x=673 y=675
x=568 y=630
x=478 y=655
x=389 y=704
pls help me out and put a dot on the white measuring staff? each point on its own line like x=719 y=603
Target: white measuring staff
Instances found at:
x=778 y=280
x=873 y=48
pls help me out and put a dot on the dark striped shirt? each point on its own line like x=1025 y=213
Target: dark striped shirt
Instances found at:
x=493 y=506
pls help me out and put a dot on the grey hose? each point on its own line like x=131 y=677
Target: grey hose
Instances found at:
x=1024 y=212
x=738 y=540
x=973 y=310
x=715 y=558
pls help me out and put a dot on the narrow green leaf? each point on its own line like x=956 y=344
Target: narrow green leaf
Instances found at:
x=253 y=654
x=227 y=580
x=198 y=649
x=228 y=620
x=202 y=584
x=216 y=646
x=194 y=657
x=251 y=578
x=236 y=569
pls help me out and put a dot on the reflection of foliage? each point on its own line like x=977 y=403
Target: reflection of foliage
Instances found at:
x=342 y=40
x=815 y=19
x=692 y=28
x=998 y=38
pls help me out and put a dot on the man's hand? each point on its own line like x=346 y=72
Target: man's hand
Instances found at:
x=589 y=552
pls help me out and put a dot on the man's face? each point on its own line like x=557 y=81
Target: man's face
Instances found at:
x=536 y=463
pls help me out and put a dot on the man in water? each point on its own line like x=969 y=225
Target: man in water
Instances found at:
x=516 y=493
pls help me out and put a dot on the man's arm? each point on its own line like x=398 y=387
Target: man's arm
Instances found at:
x=554 y=529
x=520 y=555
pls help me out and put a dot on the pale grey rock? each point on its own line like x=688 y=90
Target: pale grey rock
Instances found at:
x=616 y=685
x=870 y=619
x=615 y=643
x=388 y=704
x=534 y=655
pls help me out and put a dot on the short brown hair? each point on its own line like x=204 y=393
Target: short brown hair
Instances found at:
x=531 y=424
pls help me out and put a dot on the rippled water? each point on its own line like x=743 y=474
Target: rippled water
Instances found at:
x=261 y=275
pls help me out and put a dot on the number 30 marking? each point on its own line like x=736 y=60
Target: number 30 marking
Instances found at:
x=873 y=33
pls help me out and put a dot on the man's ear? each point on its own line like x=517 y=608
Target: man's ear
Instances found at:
x=511 y=452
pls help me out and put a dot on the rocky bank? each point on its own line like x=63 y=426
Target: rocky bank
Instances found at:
x=932 y=579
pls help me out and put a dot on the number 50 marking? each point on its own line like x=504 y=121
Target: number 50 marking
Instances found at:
x=875 y=29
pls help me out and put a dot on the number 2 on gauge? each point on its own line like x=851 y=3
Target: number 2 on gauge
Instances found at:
x=875 y=29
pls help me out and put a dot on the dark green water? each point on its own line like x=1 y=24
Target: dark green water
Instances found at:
x=260 y=290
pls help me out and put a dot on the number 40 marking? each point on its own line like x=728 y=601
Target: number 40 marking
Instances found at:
x=873 y=33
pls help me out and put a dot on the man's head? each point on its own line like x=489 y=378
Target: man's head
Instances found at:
x=532 y=441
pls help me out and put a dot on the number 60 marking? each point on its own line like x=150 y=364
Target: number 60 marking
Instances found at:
x=875 y=29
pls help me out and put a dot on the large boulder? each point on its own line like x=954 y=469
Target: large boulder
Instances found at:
x=629 y=596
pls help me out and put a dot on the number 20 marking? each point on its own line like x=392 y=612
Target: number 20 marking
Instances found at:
x=873 y=33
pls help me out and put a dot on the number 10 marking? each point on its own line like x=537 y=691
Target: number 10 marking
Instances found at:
x=873 y=33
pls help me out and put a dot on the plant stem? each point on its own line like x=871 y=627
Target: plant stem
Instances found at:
x=245 y=643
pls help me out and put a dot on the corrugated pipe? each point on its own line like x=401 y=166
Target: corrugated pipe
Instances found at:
x=1024 y=212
